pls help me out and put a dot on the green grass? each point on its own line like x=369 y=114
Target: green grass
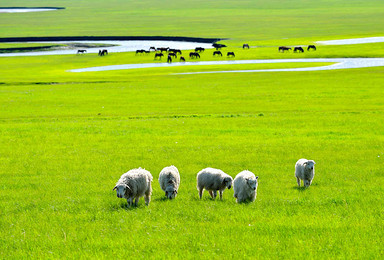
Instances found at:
x=65 y=138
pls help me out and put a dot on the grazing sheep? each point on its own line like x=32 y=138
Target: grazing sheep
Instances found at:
x=134 y=184
x=305 y=170
x=245 y=186
x=213 y=180
x=169 y=180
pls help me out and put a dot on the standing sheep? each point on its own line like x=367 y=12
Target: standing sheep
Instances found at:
x=245 y=186
x=169 y=180
x=213 y=180
x=134 y=184
x=305 y=170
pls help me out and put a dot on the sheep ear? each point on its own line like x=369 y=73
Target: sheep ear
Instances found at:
x=176 y=191
x=257 y=177
x=115 y=188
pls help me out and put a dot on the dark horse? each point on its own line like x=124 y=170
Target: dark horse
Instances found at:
x=194 y=55
x=199 y=49
x=298 y=49
x=177 y=51
x=230 y=53
x=283 y=49
x=140 y=51
x=217 y=53
x=169 y=59
x=218 y=46
x=158 y=55
x=182 y=59
x=103 y=52
x=163 y=49
x=245 y=46
x=311 y=47
x=152 y=48
x=171 y=54
x=81 y=51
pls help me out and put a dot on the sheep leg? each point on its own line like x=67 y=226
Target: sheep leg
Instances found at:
x=147 y=199
x=298 y=181
x=214 y=194
x=221 y=194
x=210 y=193
x=136 y=201
x=201 y=193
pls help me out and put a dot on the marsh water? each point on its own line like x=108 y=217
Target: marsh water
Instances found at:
x=117 y=46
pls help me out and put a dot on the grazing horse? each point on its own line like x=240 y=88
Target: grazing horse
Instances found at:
x=245 y=46
x=161 y=49
x=172 y=54
x=177 y=51
x=298 y=49
x=81 y=51
x=169 y=59
x=158 y=55
x=218 y=46
x=103 y=52
x=182 y=59
x=152 y=48
x=217 y=53
x=283 y=49
x=139 y=51
x=230 y=53
x=311 y=47
x=199 y=49
x=194 y=55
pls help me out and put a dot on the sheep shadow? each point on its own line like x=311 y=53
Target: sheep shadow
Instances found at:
x=124 y=206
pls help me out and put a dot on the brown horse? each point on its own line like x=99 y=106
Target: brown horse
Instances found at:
x=218 y=46
x=171 y=54
x=217 y=53
x=182 y=59
x=169 y=59
x=81 y=51
x=193 y=55
x=199 y=49
x=103 y=52
x=311 y=47
x=245 y=46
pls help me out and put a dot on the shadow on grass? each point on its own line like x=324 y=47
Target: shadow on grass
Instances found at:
x=124 y=206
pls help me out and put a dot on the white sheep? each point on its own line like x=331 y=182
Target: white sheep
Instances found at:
x=245 y=186
x=305 y=170
x=134 y=184
x=213 y=180
x=169 y=180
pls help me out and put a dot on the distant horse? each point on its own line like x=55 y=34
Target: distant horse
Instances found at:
x=177 y=51
x=169 y=59
x=245 y=46
x=161 y=49
x=194 y=55
x=103 y=52
x=152 y=48
x=182 y=59
x=146 y=52
x=298 y=49
x=217 y=53
x=81 y=51
x=218 y=46
x=139 y=51
x=283 y=49
x=311 y=47
x=171 y=54
x=199 y=49
x=158 y=55
x=230 y=53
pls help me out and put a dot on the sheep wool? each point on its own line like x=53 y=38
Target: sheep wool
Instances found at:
x=169 y=179
x=305 y=170
x=213 y=180
x=245 y=187
x=134 y=184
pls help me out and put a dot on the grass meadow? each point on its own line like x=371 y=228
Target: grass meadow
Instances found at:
x=66 y=138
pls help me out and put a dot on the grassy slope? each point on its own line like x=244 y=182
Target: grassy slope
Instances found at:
x=240 y=20
x=59 y=158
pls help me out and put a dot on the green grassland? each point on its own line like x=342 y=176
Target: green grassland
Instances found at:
x=65 y=138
